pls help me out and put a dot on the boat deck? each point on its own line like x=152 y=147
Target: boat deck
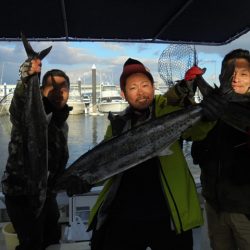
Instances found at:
x=71 y=211
x=201 y=241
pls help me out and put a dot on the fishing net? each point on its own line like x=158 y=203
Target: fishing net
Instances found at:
x=174 y=61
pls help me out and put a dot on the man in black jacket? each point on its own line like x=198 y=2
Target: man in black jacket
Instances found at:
x=37 y=232
x=224 y=159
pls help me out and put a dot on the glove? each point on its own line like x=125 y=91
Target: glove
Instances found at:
x=214 y=106
x=76 y=186
x=193 y=72
x=59 y=116
x=29 y=67
x=186 y=88
x=24 y=69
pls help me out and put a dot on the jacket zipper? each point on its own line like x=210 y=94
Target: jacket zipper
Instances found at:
x=170 y=212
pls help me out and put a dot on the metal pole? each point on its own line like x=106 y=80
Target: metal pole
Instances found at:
x=2 y=73
x=80 y=86
x=5 y=89
x=94 y=88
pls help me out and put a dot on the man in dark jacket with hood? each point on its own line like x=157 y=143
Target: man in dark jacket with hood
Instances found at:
x=224 y=159
x=36 y=233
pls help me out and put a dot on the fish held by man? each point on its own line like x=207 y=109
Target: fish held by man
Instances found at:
x=237 y=114
x=34 y=132
x=132 y=147
x=145 y=141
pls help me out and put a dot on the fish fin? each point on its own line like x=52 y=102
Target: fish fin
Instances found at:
x=44 y=53
x=30 y=52
x=215 y=86
x=165 y=151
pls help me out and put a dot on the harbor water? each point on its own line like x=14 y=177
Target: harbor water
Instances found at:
x=85 y=131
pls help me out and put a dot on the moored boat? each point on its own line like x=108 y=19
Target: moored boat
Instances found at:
x=76 y=102
x=110 y=99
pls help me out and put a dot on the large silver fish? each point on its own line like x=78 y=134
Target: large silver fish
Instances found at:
x=147 y=140
x=34 y=131
x=132 y=147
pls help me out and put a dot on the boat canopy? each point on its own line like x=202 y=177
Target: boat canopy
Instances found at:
x=207 y=22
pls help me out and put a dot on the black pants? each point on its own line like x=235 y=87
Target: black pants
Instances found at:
x=34 y=233
x=138 y=235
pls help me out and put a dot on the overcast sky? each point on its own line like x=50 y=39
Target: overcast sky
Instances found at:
x=77 y=58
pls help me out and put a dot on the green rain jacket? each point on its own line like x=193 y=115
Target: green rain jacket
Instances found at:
x=177 y=181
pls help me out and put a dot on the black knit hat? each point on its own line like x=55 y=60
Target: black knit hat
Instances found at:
x=132 y=66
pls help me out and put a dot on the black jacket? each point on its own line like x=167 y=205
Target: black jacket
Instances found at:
x=224 y=159
x=14 y=180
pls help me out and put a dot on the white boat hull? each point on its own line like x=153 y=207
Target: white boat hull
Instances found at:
x=114 y=107
x=78 y=108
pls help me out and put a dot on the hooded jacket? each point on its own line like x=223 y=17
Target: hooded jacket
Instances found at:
x=224 y=159
x=14 y=180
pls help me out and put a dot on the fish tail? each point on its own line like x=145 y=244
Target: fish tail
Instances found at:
x=30 y=52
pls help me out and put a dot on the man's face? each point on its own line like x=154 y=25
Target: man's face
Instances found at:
x=241 y=76
x=57 y=91
x=139 y=91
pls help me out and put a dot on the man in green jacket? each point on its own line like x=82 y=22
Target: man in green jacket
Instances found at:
x=155 y=203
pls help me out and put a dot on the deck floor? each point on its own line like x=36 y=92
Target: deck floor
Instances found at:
x=200 y=235
x=201 y=242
